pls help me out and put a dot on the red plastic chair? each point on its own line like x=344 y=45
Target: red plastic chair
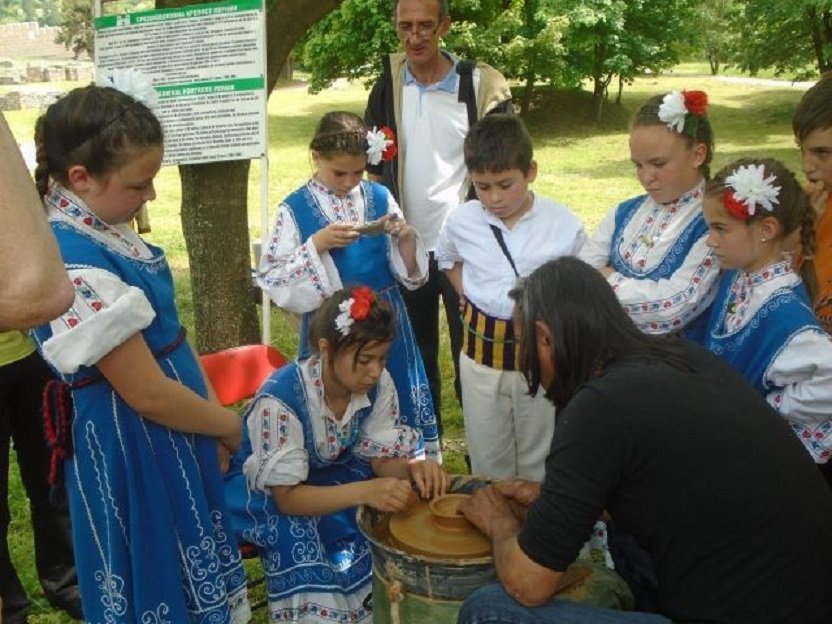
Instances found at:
x=236 y=374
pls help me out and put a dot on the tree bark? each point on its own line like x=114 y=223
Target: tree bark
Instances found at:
x=214 y=204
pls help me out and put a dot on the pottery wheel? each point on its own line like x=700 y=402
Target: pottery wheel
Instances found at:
x=415 y=531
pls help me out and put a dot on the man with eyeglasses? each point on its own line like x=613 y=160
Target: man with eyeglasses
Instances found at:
x=429 y=99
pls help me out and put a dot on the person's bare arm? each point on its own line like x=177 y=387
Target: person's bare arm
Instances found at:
x=530 y=583
x=34 y=286
x=454 y=275
x=135 y=375
x=382 y=493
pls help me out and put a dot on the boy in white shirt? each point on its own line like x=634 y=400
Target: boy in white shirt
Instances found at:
x=484 y=246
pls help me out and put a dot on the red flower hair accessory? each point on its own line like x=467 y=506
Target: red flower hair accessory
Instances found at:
x=356 y=308
x=381 y=145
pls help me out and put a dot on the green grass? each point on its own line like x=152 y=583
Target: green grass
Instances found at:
x=584 y=165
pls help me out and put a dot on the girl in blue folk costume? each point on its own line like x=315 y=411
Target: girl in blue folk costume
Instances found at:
x=133 y=417
x=762 y=320
x=321 y=437
x=651 y=248
x=317 y=245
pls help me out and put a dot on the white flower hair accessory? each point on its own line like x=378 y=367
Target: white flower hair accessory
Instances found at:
x=682 y=110
x=132 y=82
x=344 y=321
x=381 y=145
x=748 y=187
x=356 y=308
x=672 y=111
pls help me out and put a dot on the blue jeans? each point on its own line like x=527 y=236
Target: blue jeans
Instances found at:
x=492 y=605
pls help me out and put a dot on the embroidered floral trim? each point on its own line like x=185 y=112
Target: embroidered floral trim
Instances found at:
x=747 y=188
x=681 y=110
x=68 y=205
x=356 y=308
x=381 y=145
x=132 y=82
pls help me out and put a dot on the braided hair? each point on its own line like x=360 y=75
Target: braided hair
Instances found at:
x=97 y=127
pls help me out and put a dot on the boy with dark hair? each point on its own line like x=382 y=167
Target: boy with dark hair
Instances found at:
x=484 y=246
x=812 y=125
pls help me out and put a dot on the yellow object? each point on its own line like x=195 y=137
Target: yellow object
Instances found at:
x=14 y=346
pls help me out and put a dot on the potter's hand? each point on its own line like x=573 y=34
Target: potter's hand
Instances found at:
x=520 y=491
x=334 y=236
x=388 y=494
x=818 y=195
x=429 y=477
x=487 y=507
x=606 y=271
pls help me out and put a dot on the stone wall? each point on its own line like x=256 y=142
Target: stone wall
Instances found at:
x=27 y=40
x=29 y=54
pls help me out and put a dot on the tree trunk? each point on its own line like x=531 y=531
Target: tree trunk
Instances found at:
x=214 y=200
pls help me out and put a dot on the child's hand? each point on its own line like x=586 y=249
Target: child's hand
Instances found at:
x=224 y=456
x=334 y=236
x=430 y=478
x=398 y=227
x=388 y=494
x=818 y=195
x=233 y=439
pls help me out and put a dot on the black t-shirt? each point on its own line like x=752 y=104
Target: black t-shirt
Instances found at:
x=707 y=478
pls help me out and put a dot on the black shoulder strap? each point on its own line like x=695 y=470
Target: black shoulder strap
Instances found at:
x=465 y=69
x=498 y=234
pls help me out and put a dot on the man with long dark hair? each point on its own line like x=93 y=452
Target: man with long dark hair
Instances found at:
x=678 y=448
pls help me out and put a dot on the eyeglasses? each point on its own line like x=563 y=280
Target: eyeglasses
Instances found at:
x=424 y=30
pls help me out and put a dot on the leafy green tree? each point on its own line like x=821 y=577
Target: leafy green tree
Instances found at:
x=44 y=12
x=347 y=43
x=75 y=31
x=785 y=36
x=714 y=35
x=609 y=38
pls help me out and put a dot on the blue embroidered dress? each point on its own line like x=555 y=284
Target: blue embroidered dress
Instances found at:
x=318 y=568
x=298 y=279
x=763 y=324
x=152 y=540
x=665 y=275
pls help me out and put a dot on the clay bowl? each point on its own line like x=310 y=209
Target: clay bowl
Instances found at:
x=445 y=512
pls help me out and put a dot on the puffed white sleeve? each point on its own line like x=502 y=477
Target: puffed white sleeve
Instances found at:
x=596 y=250
x=278 y=455
x=382 y=434
x=295 y=275
x=803 y=372
x=106 y=312
x=397 y=266
x=669 y=304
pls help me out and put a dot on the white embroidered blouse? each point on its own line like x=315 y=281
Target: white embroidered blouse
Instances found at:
x=664 y=305
x=106 y=311
x=802 y=370
x=298 y=278
x=279 y=455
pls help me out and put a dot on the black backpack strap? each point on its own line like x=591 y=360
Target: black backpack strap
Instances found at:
x=465 y=69
x=498 y=234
